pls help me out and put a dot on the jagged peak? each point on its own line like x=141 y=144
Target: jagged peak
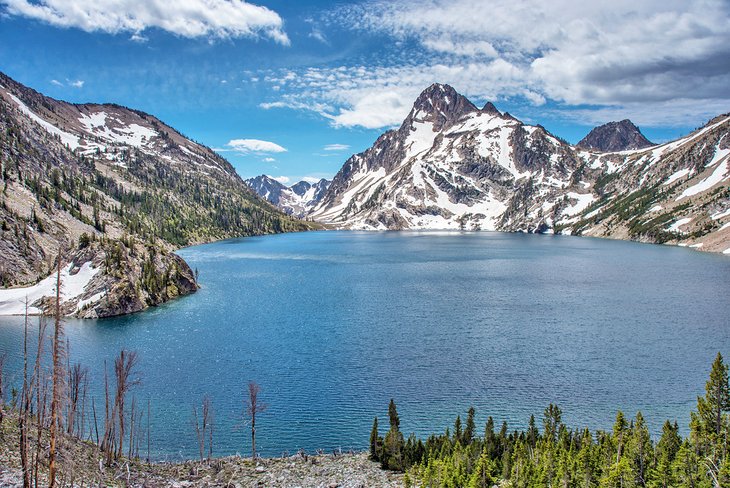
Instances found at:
x=615 y=136
x=439 y=104
x=489 y=108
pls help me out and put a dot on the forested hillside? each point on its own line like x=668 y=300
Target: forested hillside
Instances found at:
x=117 y=188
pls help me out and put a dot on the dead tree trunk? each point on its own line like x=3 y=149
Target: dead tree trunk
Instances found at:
x=123 y=368
x=57 y=379
x=24 y=405
x=254 y=407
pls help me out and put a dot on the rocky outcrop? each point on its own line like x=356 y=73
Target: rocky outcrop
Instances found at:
x=614 y=137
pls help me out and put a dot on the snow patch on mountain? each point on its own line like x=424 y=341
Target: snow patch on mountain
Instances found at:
x=73 y=284
x=69 y=139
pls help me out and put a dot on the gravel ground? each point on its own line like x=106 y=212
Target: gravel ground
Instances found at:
x=81 y=466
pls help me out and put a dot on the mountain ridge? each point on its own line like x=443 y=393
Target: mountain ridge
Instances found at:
x=466 y=168
x=297 y=199
x=113 y=191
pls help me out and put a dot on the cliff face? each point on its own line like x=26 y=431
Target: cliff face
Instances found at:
x=114 y=191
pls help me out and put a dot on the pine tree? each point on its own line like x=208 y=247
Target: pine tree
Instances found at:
x=552 y=421
x=392 y=456
x=470 y=427
x=374 y=441
x=717 y=398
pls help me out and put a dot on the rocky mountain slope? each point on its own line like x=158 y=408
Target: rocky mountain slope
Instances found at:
x=297 y=200
x=452 y=165
x=614 y=137
x=114 y=190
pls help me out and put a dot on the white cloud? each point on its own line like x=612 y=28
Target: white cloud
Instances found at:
x=376 y=97
x=56 y=82
x=318 y=35
x=336 y=147
x=222 y=19
x=614 y=57
x=77 y=83
x=281 y=179
x=246 y=146
x=268 y=160
x=310 y=179
x=139 y=38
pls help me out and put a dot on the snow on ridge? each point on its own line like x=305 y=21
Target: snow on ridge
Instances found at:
x=94 y=120
x=584 y=200
x=71 y=140
x=420 y=139
x=12 y=300
x=716 y=177
x=679 y=174
x=679 y=223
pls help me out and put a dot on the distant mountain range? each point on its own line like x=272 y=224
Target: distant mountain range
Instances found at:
x=451 y=165
x=297 y=200
x=115 y=190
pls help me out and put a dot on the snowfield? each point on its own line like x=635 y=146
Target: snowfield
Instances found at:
x=12 y=300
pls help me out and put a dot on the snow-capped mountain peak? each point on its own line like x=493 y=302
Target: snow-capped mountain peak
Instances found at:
x=453 y=166
x=296 y=200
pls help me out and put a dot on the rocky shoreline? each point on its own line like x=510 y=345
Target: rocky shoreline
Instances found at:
x=82 y=465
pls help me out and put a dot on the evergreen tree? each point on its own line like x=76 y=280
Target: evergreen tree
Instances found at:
x=551 y=422
x=470 y=427
x=392 y=457
x=374 y=455
x=457 y=429
x=483 y=474
x=532 y=433
x=710 y=409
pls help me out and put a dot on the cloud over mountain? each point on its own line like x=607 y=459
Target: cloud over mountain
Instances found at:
x=625 y=57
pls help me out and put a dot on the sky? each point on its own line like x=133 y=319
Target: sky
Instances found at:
x=293 y=88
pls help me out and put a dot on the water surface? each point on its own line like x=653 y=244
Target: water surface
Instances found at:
x=334 y=324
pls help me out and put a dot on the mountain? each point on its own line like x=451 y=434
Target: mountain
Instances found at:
x=451 y=165
x=614 y=137
x=296 y=200
x=115 y=191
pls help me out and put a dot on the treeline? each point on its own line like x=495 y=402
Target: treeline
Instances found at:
x=558 y=456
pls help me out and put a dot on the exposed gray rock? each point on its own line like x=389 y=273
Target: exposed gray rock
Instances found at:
x=615 y=136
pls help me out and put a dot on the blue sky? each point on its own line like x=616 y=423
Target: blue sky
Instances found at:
x=292 y=89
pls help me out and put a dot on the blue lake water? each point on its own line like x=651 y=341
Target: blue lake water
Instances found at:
x=334 y=324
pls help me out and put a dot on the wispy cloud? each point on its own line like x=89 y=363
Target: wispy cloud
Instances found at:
x=281 y=179
x=139 y=38
x=71 y=83
x=618 y=57
x=245 y=146
x=318 y=35
x=268 y=160
x=336 y=147
x=222 y=19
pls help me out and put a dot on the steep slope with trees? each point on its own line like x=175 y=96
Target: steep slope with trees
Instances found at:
x=115 y=191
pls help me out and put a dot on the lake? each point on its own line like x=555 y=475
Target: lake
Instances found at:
x=334 y=324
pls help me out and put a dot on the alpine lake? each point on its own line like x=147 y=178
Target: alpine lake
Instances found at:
x=332 y=325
